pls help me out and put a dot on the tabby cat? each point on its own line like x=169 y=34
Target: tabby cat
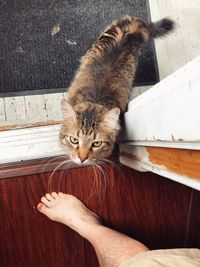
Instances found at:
x=101 y=87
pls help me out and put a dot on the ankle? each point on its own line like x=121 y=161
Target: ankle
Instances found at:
x=93 y=233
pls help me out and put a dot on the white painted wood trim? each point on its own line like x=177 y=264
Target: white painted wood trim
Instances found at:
x=180 y=145
x=169 y=112
x=29 y=143
x=167 y=115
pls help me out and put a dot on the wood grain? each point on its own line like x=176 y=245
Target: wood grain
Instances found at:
x=29 y=167
x=147 y=207
x=193 y=235
x=181 y=161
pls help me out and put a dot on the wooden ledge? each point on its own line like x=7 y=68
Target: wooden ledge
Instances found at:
x=40 y=166
x=181 y=165
x=29 y=167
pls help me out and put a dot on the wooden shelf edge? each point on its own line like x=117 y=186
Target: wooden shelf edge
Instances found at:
x=30 y=167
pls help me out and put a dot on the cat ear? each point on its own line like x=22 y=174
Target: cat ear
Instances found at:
x=111 y=118
x=67 y=110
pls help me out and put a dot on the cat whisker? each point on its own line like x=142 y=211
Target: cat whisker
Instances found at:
x=100 y=167
x=98 y=177
x=51 y=176
x=103 y=164
x=66 y=166
x=55 y=169
x=57 y=158
x=95 y=182
x=114 y=164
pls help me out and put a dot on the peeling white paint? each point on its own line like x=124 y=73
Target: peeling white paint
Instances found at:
x=143 y=166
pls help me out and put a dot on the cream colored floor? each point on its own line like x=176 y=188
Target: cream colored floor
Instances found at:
x=172 y=53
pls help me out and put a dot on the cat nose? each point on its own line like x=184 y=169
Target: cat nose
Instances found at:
x=83 y=154
x=82 y=159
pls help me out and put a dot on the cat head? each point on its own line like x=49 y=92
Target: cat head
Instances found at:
x=89 y=131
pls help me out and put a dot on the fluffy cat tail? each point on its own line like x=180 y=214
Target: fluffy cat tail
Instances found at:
x=161 y=27
x=133 y=30
x=127 y=35
x=143 y=31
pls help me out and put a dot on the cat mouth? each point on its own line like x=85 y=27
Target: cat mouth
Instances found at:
x=80 y=162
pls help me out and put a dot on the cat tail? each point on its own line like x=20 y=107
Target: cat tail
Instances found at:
x=160 y=28
x=134 y=30
x=126 y=35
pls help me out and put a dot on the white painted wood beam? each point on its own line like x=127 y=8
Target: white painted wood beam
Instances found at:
x=29 y=143
x=168 y=113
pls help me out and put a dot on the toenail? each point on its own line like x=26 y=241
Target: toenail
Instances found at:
x=39 y=206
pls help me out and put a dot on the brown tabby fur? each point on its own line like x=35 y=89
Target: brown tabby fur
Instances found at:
x=101 y=87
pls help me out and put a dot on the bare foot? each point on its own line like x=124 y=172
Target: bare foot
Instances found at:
x=70 y=211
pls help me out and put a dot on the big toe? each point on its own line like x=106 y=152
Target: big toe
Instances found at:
x=42 y=208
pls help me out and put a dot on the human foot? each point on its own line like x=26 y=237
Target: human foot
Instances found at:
x=70 y=211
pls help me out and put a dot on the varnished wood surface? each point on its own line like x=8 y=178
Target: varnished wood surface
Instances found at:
x=181 y=161
x=185 y=162
x=28 y=167
x=193 y=236
x=149 y=208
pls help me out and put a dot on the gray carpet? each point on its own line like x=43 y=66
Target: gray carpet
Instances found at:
x=41 y=42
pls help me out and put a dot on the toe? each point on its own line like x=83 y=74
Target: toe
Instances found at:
x=49 y=197
x=42 y=208
x=54 y=195
x=62 y=195
x=45 y=201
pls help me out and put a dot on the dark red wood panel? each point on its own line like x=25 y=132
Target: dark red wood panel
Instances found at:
x=150 y=208
x=30 y=239
x=193 y=236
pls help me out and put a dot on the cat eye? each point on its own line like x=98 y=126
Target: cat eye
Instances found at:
x=97 y=144
x=73 y=140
